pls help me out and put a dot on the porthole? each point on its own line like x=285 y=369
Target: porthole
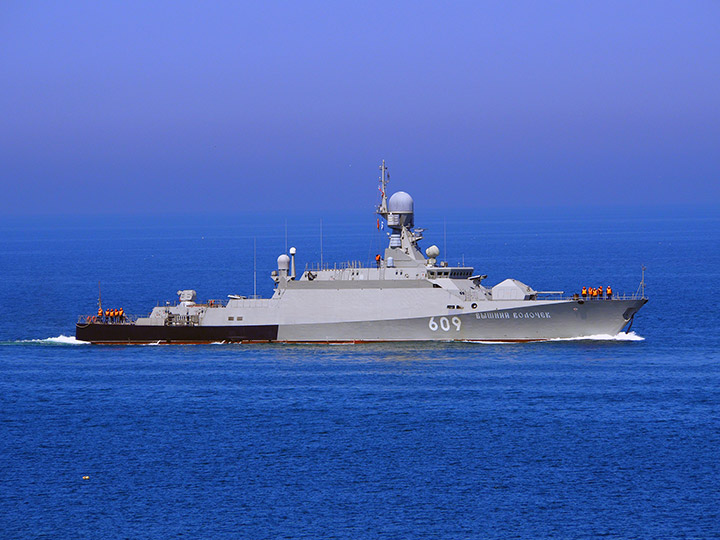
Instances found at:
x=473 y=305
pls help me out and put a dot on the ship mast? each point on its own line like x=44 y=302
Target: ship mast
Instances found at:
x=384 y=179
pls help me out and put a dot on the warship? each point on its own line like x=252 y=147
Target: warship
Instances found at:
x=407 y=295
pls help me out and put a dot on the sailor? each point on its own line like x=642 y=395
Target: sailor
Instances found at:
x=378 y=259
x=122 y=315
x=600 y=291
x=593 y=292
x=107 y=315
x=100 y=314
x=584 y=292
x=609 y=292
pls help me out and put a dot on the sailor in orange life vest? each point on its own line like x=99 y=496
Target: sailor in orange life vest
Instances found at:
x=378 y=258
x=600 y=291
x=609 y=292
x=584 y=292
x=100 y=314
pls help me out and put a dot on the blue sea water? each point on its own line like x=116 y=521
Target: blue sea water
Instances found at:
x=575 y=439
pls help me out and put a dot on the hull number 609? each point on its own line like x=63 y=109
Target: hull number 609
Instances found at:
x=444 y=324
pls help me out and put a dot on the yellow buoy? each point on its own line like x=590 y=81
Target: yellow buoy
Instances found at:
x=86 y=478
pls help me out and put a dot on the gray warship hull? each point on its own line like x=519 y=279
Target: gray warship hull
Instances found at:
x=504 y=322
x=404 y=296
x=538 y=322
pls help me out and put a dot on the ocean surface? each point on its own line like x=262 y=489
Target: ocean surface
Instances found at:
x=616 y=437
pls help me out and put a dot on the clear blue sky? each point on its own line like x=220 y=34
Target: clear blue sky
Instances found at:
x=167 y=106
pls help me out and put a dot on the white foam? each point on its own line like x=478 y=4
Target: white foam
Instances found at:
x=59 y=340
x=622 y=336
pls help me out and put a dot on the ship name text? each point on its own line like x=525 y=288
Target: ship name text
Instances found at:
x=514 y=315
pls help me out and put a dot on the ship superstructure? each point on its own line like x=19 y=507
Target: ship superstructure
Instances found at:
x=407 y=296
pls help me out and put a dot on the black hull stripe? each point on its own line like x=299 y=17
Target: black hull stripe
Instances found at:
x=131 y=333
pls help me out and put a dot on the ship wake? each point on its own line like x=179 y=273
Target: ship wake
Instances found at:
x=57 y=340
x=622 y=336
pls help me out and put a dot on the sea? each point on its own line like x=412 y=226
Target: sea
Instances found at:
x=607 y=437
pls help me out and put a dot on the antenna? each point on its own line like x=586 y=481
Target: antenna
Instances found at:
x=445 y=239
x=321 y=245
x=254 y=267
x=99 y=296
x=641 y=287
x=285 y=235
x=384 y=179
x=642 y=282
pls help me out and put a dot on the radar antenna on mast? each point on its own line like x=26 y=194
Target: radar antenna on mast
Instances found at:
x=384 y=179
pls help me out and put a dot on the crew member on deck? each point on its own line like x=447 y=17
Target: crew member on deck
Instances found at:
x=107 y=315
x=584 y=292
x=593 y=292
x=600 y=292
x=378 y=259
x=122 y=315
x=609 y=292
x=100 y=315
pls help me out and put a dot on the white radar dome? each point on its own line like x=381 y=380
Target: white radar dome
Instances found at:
x=283 y=262
x=432 y=252
x=401 y=202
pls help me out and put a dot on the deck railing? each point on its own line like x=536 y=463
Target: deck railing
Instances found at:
x=588 y=298
x=126 y=319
